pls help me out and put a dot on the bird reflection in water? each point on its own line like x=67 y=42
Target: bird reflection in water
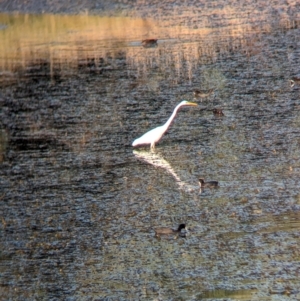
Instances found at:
x=157 y=160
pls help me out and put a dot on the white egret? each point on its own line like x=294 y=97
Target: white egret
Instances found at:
x=153 y=136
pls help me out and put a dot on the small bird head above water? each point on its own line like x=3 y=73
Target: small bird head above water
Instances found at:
x=169 y=231
x=210 y=184
x=218 y=112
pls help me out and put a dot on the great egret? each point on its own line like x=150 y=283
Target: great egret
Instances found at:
x=168 y=231
x=154 y=135
x=211 y=184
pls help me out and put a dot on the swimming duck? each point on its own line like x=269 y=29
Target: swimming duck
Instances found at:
x=202 y=93
x=148 y=43
x=210 y=184
x=218 y=112
x=168 y=231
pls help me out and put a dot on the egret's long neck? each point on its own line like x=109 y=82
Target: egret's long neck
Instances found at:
x=168 y=123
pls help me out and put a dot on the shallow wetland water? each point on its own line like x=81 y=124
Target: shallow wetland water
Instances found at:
x=79 y=204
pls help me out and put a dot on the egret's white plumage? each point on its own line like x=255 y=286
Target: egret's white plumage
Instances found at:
x=153 y=136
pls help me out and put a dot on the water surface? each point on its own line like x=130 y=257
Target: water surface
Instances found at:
x=79 y=204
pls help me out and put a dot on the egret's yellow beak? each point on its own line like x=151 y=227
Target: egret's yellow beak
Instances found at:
x=191 y=104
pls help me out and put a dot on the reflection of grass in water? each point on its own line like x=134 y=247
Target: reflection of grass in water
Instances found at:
x=153 y=82
x=29 y=38
x=3 y=144
x=220 y=293
x=51 y=37
x=63 y=39
x=49 y=27
x=214 y=78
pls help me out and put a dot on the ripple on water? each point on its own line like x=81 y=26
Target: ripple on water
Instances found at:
x=79 y=205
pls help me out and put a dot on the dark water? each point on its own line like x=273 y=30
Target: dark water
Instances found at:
x=78 y=205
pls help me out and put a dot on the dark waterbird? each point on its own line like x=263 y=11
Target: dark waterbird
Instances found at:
x=218 y=112
x=210 y=184
x=148 y=43
x=169 y=231
x=203 y=93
